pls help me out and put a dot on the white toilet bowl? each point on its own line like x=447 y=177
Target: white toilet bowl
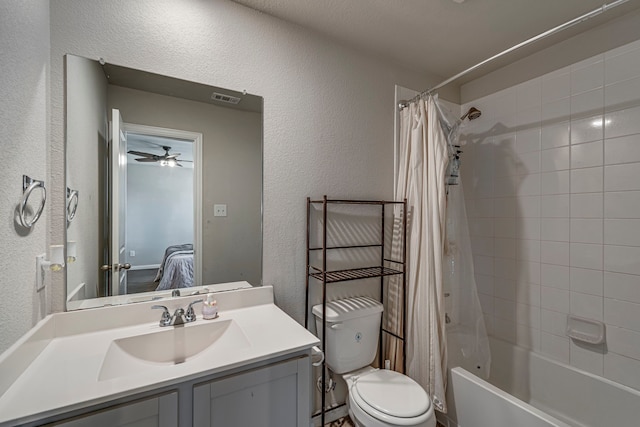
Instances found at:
x=384 y=398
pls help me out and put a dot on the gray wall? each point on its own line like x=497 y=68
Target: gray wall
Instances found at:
x=86 y=140
x=328 y=116
x=24 y=138
x=159 y=210
x=232 y=175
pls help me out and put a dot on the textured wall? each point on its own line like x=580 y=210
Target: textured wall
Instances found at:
x=24 y=137
x=552 y=175
x=328 y=110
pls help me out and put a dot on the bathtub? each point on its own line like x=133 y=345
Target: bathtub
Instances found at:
x=525 y=389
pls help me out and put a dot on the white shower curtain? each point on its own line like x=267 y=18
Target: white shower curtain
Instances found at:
x=423 y=160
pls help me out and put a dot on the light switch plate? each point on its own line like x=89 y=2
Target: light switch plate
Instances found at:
x=219 y=210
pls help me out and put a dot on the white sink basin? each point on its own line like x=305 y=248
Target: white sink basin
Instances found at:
x=171 y=346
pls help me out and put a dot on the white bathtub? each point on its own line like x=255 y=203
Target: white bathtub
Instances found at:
x=529 y=390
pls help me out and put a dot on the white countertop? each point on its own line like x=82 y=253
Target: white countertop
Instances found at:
x=63 y=376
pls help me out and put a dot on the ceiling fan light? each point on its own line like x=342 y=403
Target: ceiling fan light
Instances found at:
x=171 y=162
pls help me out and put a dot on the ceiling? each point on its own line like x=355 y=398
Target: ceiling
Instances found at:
x=441 y=37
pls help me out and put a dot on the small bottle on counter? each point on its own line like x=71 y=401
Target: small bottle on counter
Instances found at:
x=210 y=308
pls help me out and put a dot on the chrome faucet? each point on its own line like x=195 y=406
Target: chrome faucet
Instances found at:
x=179 y=316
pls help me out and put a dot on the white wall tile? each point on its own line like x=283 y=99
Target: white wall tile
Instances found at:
x=528 y=272
x=482 y=246
x=504 y=186
x=483 y=265
x=555 y=206
x=587 y=129
x=586 y=230
x=555 y=229
x=555 y=276
x=622 y=259
x=554 y=159
x=528 y=250
x=528 y=163
x=587 y=205
x=622 y=177
x=504 y=309
x=504 y=330
x=528 y=94
x=621 y=286
x=556 y=253
x=482 y=227
x=504 y=207
x=528 y=228
x=608 y=55
x=588 y=77
x=622 y=313
x=528 y=140
x=527 y=293
x=556 y=111
x=622 y=122
x=587 y=281
x=553 y=322
x=505 y=248
x=623 y=370
x=587 y=357
x=625 y=149
x=555 y=347
x=554 y=299
x=622 y=95
x=484 y=284
x=622 y=232
x=504 y=227
x=483 y=208
x=587 y=306
x=622 y=67
x=587 y=155
x=555 y=182
x=505 y=288
x=528 y=315
x=486 y=303
x=586 y=255
x=505 y=268
x=528 y=337
x=555 y=87
x=529 y=184
x=623 y=341
x=587 y=104
x=587 y=180
x=624 y=204
x=528 y=206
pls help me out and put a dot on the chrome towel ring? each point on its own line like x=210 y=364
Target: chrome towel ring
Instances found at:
x=28 y=185
x=72 y=204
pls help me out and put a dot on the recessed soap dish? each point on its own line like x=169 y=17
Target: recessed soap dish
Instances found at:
x=585 y=330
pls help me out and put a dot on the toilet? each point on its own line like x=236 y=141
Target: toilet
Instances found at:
x=377 y=397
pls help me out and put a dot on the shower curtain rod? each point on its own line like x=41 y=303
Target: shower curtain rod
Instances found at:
x=540 y=36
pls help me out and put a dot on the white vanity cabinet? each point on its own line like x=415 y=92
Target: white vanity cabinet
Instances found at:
x=276 y=395
x=156 y=411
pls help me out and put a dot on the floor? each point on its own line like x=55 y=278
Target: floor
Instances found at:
x=346 y=422
x=141 y=281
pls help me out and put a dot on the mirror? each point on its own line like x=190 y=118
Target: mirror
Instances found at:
x=175 y=201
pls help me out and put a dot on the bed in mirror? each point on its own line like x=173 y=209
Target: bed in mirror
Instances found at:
x=165 y=184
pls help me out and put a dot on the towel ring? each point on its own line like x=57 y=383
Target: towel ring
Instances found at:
x=72 y=204
x=28 y=185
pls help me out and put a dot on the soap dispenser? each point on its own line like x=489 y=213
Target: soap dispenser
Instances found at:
x=210 y=308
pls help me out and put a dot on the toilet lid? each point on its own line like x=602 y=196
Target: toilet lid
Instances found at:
x=392 y=393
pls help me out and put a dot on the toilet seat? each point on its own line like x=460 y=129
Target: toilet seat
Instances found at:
x=391 y=397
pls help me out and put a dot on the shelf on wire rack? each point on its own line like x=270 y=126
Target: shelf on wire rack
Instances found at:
x=354 y=274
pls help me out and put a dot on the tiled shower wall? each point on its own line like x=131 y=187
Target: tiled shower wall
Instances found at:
x=552 y=179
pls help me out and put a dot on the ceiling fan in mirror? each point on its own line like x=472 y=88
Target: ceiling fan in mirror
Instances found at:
x=166 y=159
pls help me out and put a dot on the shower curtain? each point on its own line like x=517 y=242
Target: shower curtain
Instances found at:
x=423 y=160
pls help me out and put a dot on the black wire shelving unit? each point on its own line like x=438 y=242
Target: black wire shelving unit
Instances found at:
x=381 y=270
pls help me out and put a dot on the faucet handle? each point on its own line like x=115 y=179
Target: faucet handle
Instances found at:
x=191 y=314
x=165 y=320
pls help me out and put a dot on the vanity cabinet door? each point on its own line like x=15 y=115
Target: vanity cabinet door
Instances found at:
x=157 y=411
x=273 y=396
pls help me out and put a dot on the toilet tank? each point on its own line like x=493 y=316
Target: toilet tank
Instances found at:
x=353 y=327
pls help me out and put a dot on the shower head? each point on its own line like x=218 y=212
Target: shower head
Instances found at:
x=472 y=114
